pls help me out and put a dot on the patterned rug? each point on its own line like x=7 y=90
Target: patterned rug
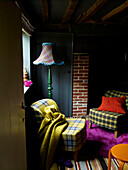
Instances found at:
x=94 y=154
x=96 y=164
x=100 y=140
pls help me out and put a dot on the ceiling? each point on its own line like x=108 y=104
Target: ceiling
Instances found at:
x=63 y=14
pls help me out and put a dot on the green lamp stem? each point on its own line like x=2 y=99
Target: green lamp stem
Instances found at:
x=49 y=83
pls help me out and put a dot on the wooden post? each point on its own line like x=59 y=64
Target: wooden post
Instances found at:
x=116 y=133
x=109 y=160
x=90 y=125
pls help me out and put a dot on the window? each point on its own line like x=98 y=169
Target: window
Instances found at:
x=26 y=52
x=26 y=60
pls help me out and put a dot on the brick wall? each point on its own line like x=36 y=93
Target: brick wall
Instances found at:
x=80 y=84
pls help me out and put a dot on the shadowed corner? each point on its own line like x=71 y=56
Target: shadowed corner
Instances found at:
x=89 y=150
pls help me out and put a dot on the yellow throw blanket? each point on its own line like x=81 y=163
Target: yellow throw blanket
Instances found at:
x=51 y=128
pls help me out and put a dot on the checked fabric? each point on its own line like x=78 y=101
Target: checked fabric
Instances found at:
x=48 y=55
x=38 y=108
x=114 y=93
x=75 y=134
x=107 y=119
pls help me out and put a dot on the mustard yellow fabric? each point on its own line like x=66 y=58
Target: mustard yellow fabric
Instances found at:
x=50 y=131
x=40 y=105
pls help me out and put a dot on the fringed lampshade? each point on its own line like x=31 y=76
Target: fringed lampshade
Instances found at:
x=49 y=57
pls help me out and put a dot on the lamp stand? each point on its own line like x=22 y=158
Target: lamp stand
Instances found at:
x=49 y=83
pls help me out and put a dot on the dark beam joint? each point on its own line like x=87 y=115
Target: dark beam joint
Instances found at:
x=91 y=11
x=44 y=7
x=70 y=10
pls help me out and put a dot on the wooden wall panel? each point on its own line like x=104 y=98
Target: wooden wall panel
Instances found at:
x=61 y=75
x=12 y=129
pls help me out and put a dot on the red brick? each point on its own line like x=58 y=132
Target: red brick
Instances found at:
x=78 y=74
x=78 y=111
x=78 y=81
x=83 y=71
x=83 y=90
x=80 y=87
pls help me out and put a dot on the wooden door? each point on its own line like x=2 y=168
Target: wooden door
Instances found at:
x=12 y=124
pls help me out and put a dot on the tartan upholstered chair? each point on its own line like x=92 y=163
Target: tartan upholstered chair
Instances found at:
x=108 y=119
x=73 y=137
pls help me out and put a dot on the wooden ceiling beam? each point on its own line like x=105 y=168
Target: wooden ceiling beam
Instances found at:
x=44 y=7
x=91 y=11
x=56 y=27
x=70 y=10
x=115 y=11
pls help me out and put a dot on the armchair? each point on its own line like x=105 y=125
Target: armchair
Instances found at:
x=109 y=119
x=73 y=137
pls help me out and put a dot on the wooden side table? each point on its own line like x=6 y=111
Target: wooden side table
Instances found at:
x=119 y=152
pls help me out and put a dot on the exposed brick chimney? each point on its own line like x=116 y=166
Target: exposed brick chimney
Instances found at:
x=80 y=84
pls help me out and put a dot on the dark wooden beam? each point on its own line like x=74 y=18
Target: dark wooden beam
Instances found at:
x=44 y=7
x=56 y=27
x=70 y=10
x=116 y=11
x=91 y=11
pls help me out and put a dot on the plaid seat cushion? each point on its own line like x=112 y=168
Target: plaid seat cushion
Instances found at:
x=107 y=119
x=75 y=134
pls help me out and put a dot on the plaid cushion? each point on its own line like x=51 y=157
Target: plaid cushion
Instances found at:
x=107 y=119
x=75 y=134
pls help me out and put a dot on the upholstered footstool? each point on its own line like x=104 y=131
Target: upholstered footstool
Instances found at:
x=74 y=136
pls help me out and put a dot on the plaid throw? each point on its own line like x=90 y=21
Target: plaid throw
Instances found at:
x=109 y=120
x=75 y=134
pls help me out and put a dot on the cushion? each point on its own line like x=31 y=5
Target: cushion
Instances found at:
x=113 y=104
